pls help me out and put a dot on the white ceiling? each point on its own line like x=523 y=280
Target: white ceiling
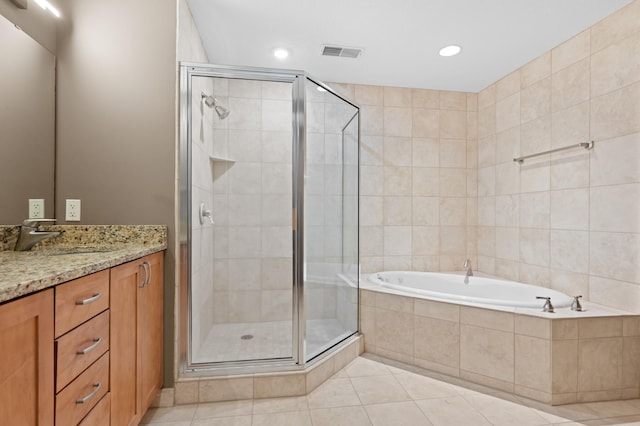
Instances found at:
x=400 y=38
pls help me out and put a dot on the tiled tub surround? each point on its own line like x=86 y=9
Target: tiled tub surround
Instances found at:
x=77 y=251
x=567 y=221
x=553 y=358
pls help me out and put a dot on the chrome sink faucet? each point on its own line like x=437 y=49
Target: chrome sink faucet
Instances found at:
x=30 y=235
x=467 y=266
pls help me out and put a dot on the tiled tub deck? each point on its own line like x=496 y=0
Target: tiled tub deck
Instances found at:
x=556 y=358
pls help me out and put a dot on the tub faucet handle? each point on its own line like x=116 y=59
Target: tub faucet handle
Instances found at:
x=575 y=305
x=548 y=307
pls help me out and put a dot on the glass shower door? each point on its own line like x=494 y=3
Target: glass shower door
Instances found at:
x=241 y=231
x=330 y=220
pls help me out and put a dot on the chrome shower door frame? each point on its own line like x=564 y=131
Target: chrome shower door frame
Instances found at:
x=298 y=79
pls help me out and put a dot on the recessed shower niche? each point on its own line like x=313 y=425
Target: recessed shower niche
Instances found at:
x=269 y=219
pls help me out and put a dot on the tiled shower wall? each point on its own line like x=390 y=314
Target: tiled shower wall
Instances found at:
x=251 y=173
x=570 y=221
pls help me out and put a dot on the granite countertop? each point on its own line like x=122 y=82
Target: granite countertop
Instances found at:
x=78 y=251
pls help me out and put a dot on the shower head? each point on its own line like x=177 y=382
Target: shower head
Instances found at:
x=221 y=111
x=212 y=102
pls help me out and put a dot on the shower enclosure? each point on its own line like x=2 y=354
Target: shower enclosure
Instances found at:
x=269 y=218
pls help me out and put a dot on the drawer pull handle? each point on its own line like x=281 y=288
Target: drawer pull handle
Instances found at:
x=89 y=300
x=89 y=348
x=97 y=387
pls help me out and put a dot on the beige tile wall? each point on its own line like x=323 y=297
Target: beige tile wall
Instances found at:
x=571 y=220
x=417 y=190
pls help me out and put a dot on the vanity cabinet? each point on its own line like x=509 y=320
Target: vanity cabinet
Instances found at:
x=86 y=352
x=136 y=337
x=26 y=360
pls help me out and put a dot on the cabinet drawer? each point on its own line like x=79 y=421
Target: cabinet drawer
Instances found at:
x=81 y=299
x=77 y=399
x=101 y=413
x=79 y=348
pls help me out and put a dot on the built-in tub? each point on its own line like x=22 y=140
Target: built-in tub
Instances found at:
x=493 y=332
x=469 y=290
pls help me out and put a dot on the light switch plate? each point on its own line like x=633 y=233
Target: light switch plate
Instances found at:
x=36 y=208
x=73 y=211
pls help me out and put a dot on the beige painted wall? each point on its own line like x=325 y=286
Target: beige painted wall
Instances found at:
x=116 y=122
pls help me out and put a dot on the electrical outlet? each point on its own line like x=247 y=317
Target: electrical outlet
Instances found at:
x=73 y=211
x=36 y=208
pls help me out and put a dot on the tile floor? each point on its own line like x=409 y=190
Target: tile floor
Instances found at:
x=373 y=391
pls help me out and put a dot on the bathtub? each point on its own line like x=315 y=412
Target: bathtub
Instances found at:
x=473 y=290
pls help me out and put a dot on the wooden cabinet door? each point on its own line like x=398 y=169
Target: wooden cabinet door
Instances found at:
x=151 y=330
x=126 y=405
x=26 y=360
x=136 y=337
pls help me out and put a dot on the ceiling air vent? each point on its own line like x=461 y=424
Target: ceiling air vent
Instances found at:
x=342 y=52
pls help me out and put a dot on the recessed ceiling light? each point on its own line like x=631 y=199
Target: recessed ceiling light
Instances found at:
x=281 y=53
x=450 y=50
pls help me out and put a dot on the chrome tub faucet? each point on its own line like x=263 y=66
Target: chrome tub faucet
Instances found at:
x=30 y=235
x=548 y=307
x=467 y=266
x=576 y=305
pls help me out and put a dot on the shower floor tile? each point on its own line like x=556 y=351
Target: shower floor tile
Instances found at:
x=263 y=340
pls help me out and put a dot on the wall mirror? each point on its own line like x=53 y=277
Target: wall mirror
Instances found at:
x=27 y=124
